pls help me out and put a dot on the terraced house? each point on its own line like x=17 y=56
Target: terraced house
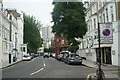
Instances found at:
x=0 y=36
x=11 y=36
x=108 y=16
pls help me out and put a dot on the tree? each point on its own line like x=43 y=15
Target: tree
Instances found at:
x=32 y=33
x=69 y=19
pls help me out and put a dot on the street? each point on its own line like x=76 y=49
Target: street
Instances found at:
x=46 y=68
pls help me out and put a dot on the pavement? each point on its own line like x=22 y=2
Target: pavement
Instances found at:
x=110 y=71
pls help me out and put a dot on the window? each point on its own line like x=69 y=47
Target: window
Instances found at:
x=0 y=29
x=6 y=46
x=62 y=42
x=107 y=14
x=94 y=23
x=100 y=5
x=103 y=18
x=23 y=49
x=10 y=17
x=100 y=18
x=91 y=25
x=112 y=15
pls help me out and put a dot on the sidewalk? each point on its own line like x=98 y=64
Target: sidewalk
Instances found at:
x=110 y=71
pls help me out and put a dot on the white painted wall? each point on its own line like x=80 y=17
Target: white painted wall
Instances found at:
x=20 y=36
x=5 y=39
x=0 y=47
x=0 y=54
x=17 y=27
x=115 y=44
x=119 y=43
x=0 y=40
x=91 y=32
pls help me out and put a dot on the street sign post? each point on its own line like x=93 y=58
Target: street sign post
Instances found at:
x=105 y=36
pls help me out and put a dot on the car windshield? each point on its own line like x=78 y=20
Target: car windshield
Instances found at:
x=74 y=55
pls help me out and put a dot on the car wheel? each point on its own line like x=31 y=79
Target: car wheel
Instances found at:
x=68 y=62
x=80 y=63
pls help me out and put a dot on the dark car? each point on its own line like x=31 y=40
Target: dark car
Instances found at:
x=73 y=59
x=46 y=55
x=36 y=55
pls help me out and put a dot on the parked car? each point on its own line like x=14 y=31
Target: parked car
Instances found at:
x=65 y=54
x=53 y=55
x=73 y=59
x=32 y=55
x=46 y=54
x=36 y=55
x=26 y=57
x=83 y=58
x=62 y=55
x=59 y=56
x=50 y=54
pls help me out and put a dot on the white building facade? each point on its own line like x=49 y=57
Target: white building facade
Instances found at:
x=11 y=36
x=0 y=35
x=47 y=35
x=104 y=13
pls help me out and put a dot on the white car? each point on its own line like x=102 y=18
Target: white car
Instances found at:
x=27 y=57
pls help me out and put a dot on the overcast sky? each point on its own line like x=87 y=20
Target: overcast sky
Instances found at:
x=40 y=9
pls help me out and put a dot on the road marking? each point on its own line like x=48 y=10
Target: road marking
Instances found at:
x=33 y=59
x=36 y=71
x=89 y=77
x=44 y=63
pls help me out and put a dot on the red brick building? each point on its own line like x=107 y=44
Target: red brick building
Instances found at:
x=60 y=43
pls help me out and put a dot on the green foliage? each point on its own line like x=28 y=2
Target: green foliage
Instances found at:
x=69 y=19
x=48 y=49
x=31 y=33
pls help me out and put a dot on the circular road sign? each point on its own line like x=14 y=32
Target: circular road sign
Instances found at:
x=106 y=32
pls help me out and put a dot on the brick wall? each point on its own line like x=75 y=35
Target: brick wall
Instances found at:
x=60 y=42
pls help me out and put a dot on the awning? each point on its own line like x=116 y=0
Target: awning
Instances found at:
x=101 y=45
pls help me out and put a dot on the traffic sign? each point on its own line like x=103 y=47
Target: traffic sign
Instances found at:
x=106 y=34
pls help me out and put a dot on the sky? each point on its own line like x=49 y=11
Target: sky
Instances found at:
x=40 y=9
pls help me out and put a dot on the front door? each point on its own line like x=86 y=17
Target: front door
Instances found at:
x=108 y=55
x=9 y=58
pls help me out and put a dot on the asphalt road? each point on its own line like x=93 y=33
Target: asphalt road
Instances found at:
x=46 y=68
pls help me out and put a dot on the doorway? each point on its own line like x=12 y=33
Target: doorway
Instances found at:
x=9 y=58
x=108 y=55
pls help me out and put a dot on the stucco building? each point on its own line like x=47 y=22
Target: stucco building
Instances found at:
x=107 y=13
x=47 y=36
x=11 y=36
x=0 y=35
